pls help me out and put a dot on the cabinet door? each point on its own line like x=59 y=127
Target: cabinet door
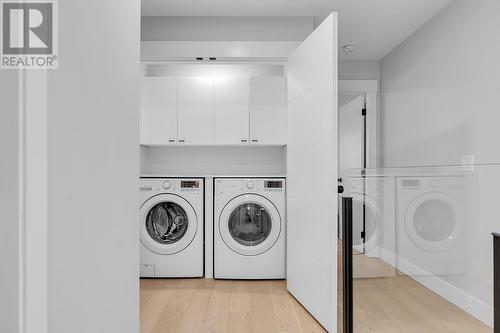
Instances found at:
x=231 y=110
x=267 y=110
x=195 y=110
x=159 y=110
x=312 y=153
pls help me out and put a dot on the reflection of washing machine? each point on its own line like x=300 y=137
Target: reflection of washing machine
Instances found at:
x=373 y=214
x=432 y=225
x=171 y=217
x=249 y=228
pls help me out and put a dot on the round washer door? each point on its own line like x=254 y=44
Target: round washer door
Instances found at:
x=168 y=224
x=431 y=221
x=250 y=224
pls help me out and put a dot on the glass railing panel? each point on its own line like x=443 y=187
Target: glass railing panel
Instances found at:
x=422 y=248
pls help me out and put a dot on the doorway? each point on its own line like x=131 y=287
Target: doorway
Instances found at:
x=358 y=150
x=352 y=153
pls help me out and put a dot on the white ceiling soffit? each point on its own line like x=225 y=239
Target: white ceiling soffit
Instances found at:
x=376 y=26
x=221 y=50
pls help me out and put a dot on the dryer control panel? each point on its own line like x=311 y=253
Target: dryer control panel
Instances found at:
x=273 y=184
x=190 y=184
x=250 y=185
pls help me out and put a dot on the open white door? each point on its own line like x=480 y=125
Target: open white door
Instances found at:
x=312 y=173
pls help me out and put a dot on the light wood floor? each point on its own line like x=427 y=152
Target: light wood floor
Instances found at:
x=206 y=305
x=385 y=301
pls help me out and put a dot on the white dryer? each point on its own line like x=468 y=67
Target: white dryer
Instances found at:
x=249 y=228
x=432 y=225
x=171 y=232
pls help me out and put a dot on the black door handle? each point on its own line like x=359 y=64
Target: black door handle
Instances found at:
x=340 y=189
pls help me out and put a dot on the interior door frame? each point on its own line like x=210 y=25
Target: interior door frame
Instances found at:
x=370 y=89
x=32 y=182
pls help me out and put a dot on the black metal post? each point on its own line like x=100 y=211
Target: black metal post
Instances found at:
x=347 y=264
x=496 y=282
x=363 y=173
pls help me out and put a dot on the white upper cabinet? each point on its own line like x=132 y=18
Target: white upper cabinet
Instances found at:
x=220 y=111
x=267 y=110
x=159 y=110
x=195 y=111
x=231 y=105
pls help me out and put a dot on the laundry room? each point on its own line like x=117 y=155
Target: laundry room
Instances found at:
x=235 y=166
x=222 y=108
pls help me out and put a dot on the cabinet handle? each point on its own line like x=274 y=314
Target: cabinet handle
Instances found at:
x=182 y=140
x=244 y=140
x=171 y=140
x=255 y=140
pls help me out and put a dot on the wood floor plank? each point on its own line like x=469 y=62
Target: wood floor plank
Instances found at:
x=220 y=306
x=382 y=305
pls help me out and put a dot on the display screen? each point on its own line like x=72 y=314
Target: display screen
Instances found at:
x=410 y=183
x=274 y=184
x=190 y=184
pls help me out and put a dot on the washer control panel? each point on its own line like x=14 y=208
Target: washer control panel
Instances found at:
x=171 y=185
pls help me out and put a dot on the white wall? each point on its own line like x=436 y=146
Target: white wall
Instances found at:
x=236 y=28
x=440 y=88
x=205 y=161
x=93 y=169
x=9 y=203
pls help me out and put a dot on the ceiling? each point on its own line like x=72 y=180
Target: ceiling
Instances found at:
x=376 y=26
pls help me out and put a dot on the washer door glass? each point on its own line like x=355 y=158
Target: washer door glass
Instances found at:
x=166 y=222
x=250 y=224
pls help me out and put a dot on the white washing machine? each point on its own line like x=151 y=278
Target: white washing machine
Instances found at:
x=432 y=225
x=373 y=215
x=249 y=228
x=171 y=218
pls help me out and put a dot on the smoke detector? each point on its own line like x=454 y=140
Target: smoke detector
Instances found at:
x=349 y=48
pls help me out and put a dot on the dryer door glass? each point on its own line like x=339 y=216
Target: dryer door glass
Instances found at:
x=166 y=222
x=434 y=221
x=250 y=224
